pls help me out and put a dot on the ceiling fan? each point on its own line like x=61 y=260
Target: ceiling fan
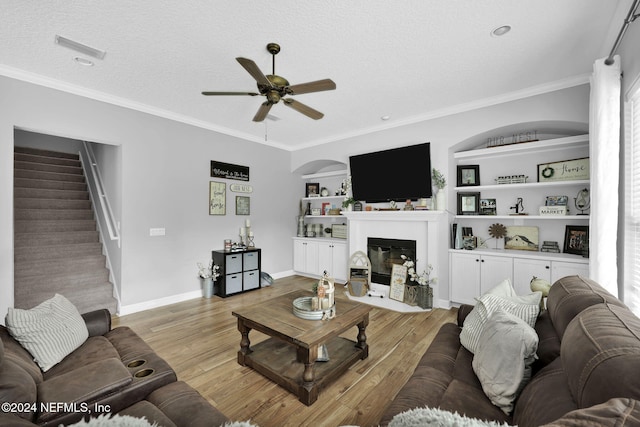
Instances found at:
x=275 y=88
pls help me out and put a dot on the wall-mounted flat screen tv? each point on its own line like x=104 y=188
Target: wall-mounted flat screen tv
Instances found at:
x=397 y=174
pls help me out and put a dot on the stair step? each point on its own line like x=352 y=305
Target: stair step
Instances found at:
x=33 y=174
x=52 y=214
x=50 y=160
x=48 y=153
x=44 y=193
x=61 y=281
x=49 y=184
x=48 y=239
x=76 y=265
x=55 y=252
x=43 y=167
x=21 y=203
x=40 y=226
x=95 y=296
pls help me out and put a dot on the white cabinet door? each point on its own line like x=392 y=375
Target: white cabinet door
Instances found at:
x=332 y=257
x=560 y=269
x=464 y=277
x=525 y=269
x=493 y=270
x=305 y=256
x=340 y=262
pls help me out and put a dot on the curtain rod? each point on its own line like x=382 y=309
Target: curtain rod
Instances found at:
x=631 y=16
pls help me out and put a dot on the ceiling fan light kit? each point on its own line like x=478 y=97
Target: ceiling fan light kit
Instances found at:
x=275 y=88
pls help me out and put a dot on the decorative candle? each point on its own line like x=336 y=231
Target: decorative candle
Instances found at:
x=325 y=303
x=247 y=223
x=314 y=304
x=242 y=231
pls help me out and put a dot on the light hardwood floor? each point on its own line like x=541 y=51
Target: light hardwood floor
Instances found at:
x=199 y=339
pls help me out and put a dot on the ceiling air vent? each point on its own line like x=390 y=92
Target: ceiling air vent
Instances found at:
x=79 y=47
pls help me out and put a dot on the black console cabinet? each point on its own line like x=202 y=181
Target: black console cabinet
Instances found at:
x=239 y=271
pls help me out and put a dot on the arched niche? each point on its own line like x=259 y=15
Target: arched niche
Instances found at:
x=321 y=166
x=543 y=130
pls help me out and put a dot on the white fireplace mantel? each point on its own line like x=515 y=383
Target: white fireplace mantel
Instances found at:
x=428 y=228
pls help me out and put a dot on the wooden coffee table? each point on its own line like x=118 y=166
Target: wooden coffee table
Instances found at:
x=288 y=358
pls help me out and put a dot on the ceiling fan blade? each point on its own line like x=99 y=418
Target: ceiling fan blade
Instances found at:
x=229 y=93
x=317 y=86
x=255 y=72
x=304 y=109
x=262 y=112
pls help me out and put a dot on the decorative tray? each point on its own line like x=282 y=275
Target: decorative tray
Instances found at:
x=302 y=309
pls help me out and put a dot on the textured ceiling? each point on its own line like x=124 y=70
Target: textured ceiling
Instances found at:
x=409 y=60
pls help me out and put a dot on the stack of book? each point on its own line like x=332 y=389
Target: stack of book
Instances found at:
x=548 y=246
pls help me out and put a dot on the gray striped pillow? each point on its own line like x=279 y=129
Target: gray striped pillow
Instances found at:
x=49 y=331
x=525 y=307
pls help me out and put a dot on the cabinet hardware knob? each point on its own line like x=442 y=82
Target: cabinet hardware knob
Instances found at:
x=482 y=261
x=547 y=267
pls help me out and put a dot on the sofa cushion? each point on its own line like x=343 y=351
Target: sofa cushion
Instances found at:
x=600 y=355
x=545 y=398
x=49 y=331
x=525 y=307
x=572 y=294
x=16 y=353
x=92 y=350
x=548 y=341
x=503 y=358
x=620 y=412
x=17 y=387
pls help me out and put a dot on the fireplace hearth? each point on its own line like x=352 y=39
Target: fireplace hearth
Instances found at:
x=383 y=253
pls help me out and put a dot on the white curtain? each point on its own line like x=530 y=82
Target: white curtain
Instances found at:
x=604 y=135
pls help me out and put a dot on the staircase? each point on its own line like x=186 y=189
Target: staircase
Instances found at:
x=56 y=243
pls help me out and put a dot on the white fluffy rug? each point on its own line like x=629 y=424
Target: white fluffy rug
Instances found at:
x=423 y=417
x=108 y=420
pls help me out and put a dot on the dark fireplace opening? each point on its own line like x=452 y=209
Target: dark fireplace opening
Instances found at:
x=383 y=253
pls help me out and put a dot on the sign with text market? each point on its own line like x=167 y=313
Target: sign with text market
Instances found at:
x=229 y=171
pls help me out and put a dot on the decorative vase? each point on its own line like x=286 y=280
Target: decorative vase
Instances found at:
x=207 y=286
x=424 y=297
x=410 y=294
x=441 y=200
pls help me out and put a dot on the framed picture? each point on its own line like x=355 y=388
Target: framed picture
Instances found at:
x=556 y=201
x=468 y=203
x=566 y=170
x=398 y=279
x=576 y=240
x=468 y=175
x=217 y=198
x=312 y=189
x=469 y=242
x=243 y=205
x=487 y=206
x=521 y=238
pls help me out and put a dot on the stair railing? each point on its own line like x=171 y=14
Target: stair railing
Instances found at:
x=100 y=198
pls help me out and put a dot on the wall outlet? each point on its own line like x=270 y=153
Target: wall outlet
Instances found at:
x=156 y=232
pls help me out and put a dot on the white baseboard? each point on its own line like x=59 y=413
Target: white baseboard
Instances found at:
x=160 y=302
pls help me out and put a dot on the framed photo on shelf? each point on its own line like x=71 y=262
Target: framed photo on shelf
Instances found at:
x=556 y=201
x=398 y=279
x=468 y=203
x=487 y=206
x=576 y=240
x=312 y=189
x=468 y=175
x=523 y=238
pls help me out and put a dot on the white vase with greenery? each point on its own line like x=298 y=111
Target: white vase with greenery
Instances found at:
x=441 y=196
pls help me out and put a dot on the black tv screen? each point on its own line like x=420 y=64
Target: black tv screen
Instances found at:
x=397 y=174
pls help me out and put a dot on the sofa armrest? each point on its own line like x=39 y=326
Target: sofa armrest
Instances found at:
x=12 y=420
x=82 y=386
x=463 y=312
x=98 y=322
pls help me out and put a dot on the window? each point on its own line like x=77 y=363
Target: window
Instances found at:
x=632 y=202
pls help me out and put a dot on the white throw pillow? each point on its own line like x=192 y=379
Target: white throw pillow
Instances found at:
x=503 y=359
x=526 y=307
x=502 y=289
x=49 y=331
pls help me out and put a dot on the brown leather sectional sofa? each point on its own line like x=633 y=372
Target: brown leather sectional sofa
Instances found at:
x=587 y=371
x=114 y=371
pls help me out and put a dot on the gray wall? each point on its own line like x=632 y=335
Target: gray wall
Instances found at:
x=164 y=180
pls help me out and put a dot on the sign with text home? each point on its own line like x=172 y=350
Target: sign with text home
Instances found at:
x=229 y=171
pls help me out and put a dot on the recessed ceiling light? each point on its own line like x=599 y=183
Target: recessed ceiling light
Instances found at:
x=501 y=31
x=83 y=61
x=385 y=117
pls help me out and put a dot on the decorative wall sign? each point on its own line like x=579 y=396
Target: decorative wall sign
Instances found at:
x=243 y=205
x=217 y=198
x=515 y=138
x=398 y=279
x=241 y=188
x=229 y=171
x=566 y=170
